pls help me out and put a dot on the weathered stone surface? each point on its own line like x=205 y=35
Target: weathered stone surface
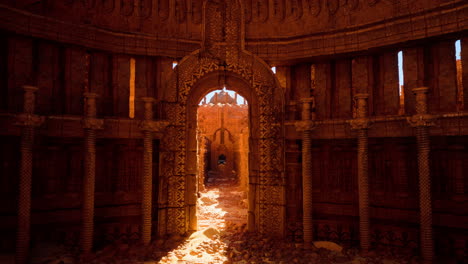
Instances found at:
x=323 y=50
x=328 y=245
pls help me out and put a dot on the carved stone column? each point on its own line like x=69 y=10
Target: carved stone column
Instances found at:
x=291 y=111
x=28 y=121
x=306 y=125
x=421 y=121
x=361 y=124
x=147 y=179
x=90 y=125
x=149 y=127
x=201 y=140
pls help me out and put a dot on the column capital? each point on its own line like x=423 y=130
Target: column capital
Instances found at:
x=90 y=104
x=30 y=88
x=92 y=123
x=90 y=95
x=360 y=101
x=307 y=104
x=421 y=100
x=307 y=100
x=29 y=120
x=421 y=120
x=420 y=90
x=29 y=99
x=148 y=99
x=360 y=123
x=153 y=125
x=305 y=125
x=361 y=96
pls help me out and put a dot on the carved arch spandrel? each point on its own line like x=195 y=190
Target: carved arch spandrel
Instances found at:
x=69 y=2
x=127 y=7
x=294 y=9
x=248 y=10
x=278 y=9
x=333 y=6
x=107 y=6
x=163 y=9
x=89 y=4
x=313 y=6
x=352 y=4
x=196 y=10
x=267 y=135
x=180 y=10
x=145 y=8
x=260 y=10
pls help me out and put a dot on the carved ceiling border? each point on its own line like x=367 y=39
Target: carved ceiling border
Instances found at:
x=443 y=21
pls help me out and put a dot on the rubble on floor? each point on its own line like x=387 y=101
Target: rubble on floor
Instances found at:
x=233 y=245
x=223 y=238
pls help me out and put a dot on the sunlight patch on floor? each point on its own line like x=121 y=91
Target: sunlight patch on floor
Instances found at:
x=218 y=212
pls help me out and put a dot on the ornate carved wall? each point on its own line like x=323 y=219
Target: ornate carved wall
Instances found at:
x=267 y=135
x=304 y=28
x=335 y=50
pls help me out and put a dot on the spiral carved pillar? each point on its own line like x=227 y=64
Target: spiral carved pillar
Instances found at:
x=422 y=121
x=28 y=121
x=306 y=126
x=147 y=179
x=90 y=125
x=361 y=124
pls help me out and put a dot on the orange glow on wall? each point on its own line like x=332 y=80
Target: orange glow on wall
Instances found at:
x=131 y=98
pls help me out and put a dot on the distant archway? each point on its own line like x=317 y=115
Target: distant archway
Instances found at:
x=209 y=83
x=222 y=156
x=223 y=60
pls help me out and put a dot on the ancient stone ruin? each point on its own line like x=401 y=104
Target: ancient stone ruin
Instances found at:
x=234 y=131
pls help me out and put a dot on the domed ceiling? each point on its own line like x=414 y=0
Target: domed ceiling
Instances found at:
x=274 y=28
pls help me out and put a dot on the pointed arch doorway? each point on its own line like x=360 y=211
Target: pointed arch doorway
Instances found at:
x=223 y=183
x=222 y=56
x=256 y=83
x=223 y=155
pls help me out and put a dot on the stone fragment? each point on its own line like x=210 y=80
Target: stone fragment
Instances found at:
x=328 y=245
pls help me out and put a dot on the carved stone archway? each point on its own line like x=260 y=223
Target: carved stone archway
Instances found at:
x=223 y=59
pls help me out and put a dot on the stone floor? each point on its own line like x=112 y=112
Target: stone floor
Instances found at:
x=222 y=218
x=223 y=238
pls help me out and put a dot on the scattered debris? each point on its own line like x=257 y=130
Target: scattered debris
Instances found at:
x=223 y=238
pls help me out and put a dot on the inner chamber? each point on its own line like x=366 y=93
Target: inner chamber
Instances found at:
x=223 y=159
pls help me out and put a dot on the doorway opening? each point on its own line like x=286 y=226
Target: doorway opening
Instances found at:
x=223 y=160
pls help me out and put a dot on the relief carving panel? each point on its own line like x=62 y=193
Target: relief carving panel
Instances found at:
x=313 y=6
x=278 y=10
x=260 y=10
x=294 y=9
x=197 y=12
x=180 y=10
x=107 y=6
x=145 y=8
x=333 y=6
x=127 y=7
x=163 y=9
